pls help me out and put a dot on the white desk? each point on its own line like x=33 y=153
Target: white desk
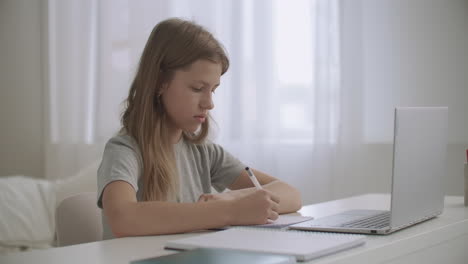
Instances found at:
x=440 y=240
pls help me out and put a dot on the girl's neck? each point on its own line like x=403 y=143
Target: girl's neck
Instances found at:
x=176 y=138
x=175 y=135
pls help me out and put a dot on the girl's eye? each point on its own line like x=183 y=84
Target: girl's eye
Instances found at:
x=195 y=89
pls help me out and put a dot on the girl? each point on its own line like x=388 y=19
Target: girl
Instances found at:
x=156 y=174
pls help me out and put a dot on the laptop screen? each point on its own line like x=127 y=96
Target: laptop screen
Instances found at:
x=419 y=163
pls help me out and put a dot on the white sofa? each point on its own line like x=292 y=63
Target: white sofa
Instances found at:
x=28 y=207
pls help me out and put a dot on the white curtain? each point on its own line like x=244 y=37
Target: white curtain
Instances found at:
x=279 y=107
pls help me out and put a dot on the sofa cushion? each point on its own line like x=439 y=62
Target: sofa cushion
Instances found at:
x=27 y=208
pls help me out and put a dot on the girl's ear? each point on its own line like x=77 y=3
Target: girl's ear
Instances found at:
x=164 y=88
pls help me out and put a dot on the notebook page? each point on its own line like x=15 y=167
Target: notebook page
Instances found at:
x=286 y=220
x=282 y=222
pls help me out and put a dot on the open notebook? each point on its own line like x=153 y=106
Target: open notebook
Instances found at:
x=301 y=244
x=283 y=221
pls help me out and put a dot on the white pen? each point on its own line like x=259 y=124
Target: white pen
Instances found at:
x=253 y=178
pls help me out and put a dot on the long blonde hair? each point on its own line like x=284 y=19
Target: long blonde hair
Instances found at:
x=173 y=44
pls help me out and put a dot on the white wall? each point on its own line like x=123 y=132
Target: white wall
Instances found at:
x=406 y=53
x=415 y=53
x=21 y=98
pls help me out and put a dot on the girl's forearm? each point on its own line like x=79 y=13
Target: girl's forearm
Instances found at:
x=158 y=218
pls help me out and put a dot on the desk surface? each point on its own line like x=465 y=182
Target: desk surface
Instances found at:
x=441 y=239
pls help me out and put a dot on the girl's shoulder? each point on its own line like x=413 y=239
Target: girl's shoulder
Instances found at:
x=205 y=148
x=201 y=145
x=122 y=141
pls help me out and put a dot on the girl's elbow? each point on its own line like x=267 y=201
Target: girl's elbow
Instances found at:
x=119 y=233
x=120 y=229
x=119 y=222
x=297 y=205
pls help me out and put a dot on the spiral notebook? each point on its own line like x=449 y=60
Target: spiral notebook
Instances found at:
x=217 y=256
x=301 y=244
x=283 y=221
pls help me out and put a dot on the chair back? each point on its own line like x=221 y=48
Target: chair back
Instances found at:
x=78 y=220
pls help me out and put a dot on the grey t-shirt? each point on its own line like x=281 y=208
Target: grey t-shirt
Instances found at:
x=199 y=166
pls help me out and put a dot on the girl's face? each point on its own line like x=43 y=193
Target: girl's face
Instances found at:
x=187 y=98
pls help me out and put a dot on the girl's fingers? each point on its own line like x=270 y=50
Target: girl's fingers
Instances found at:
x=275 y=207
x=273 y=215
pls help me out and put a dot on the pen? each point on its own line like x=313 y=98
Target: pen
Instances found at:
x=253 y=178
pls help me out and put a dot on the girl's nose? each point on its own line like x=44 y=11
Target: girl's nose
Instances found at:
x=207 y=102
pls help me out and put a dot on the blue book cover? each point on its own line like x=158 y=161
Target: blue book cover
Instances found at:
x=212 y=256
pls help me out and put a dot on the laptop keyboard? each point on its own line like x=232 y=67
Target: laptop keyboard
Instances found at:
x=375 y=222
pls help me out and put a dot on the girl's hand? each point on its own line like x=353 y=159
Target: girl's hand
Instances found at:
x=256 y=207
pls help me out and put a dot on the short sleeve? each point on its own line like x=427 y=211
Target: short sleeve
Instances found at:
x=120 y=161
x=224 y=167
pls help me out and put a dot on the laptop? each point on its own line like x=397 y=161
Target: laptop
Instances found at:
x=419 y=164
